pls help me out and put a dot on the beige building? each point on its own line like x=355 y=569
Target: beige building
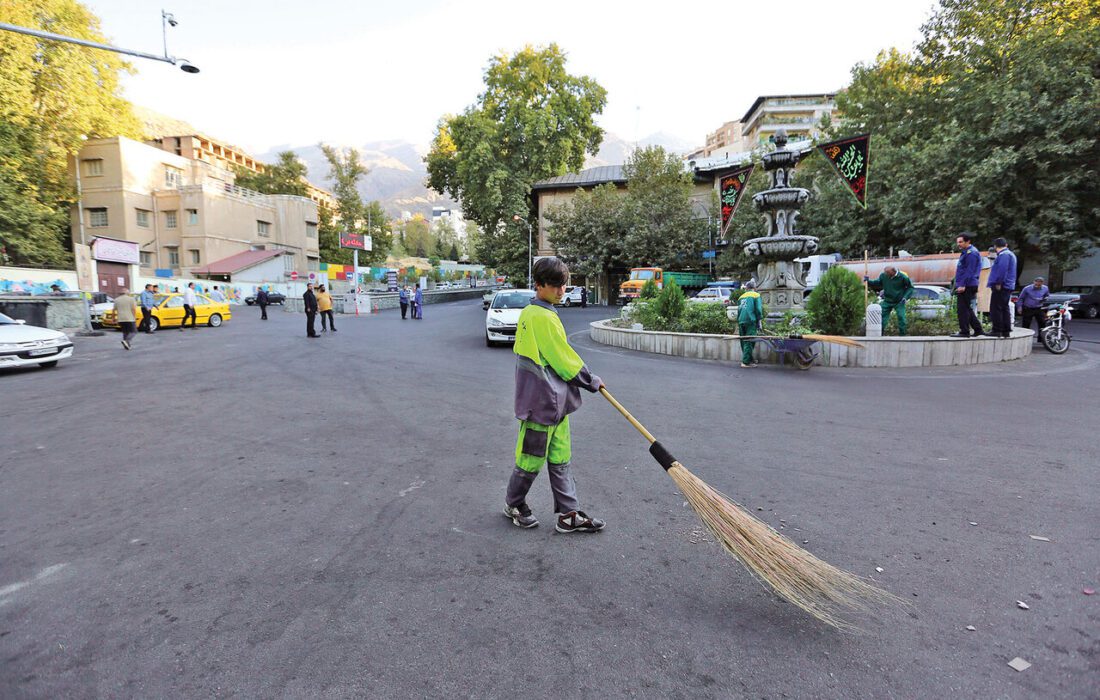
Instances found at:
x=184 y=213
x=800 y=115
x=225 y=156
x=725 y=139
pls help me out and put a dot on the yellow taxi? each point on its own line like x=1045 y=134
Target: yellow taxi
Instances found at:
x=168 y=313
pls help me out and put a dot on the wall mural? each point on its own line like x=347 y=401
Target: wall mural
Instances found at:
x=8 y=286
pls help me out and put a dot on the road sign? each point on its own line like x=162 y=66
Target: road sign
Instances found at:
x=293 y=275
x=708 y=254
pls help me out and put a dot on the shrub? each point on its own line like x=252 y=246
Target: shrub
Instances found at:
x=944 y=323
x=670 y=303
x=706 y=318
x=649 y=290
x=836 y=306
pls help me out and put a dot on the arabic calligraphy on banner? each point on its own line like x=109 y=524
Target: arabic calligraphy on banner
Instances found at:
x=849 y=158
x=731 y=187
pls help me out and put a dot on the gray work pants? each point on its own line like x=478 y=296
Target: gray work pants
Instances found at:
x=561 y=483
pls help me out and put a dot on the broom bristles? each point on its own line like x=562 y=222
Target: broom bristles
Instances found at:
x=819 y=588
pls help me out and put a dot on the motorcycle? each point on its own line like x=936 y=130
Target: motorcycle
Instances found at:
x=1054 y=335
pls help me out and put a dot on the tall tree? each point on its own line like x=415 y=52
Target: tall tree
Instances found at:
x=662 y=228
x=286 y=176
x=418 y=236
x=589 y=232
x=989 y=126
x=345 y=170
x=53 y=95
x=534 y=120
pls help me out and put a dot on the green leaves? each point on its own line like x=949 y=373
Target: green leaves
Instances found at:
x=533 y=121
x=837 y=304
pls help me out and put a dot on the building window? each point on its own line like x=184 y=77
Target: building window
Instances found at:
x=146 y=259
x=314 y=264
x=173 y=177
x=263 y=228
x=97 y=217
x=143 y=218
x=93 y=167
x=192 y=217
x=173 y=257
x=288 y=262
x=311 y=229
x=195 y=257
x=170 y=219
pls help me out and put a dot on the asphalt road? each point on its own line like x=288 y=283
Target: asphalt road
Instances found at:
x=243 y=512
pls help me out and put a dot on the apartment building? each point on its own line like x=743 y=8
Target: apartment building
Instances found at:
x=226 y=157
x=181 y=213
x=800 y=115
x=723 y=140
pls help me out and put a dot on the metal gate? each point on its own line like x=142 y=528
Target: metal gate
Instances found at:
x=113 y=277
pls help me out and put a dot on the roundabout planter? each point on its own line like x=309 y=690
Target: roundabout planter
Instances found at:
x=886 y=351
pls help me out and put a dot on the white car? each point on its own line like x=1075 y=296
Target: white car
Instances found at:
x=572 y=296
x=712 y=295
x=503 y=315
x=932 y=301
x=22 y=345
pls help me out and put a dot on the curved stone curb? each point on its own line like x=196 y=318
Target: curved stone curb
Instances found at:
x=888 y=351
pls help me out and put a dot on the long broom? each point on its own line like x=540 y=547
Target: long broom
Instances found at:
x=817 y=587
x=838 y=339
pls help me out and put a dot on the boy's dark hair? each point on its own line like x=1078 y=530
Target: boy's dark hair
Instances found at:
x=550 y=272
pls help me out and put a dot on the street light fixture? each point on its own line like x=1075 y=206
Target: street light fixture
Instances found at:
x=517 y=217
x=166 y=19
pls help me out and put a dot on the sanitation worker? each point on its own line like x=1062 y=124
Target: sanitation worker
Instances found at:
x=750 y=317
x=549 y=377
x=896 y=289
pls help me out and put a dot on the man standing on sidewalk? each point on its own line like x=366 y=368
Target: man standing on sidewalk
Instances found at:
x=967 y=272
x=1001 y=282
x=126 y=315
x=148 y=301
x=310 y=300
x=190 y=301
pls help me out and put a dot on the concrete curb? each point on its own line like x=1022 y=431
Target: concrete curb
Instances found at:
x=890 y=351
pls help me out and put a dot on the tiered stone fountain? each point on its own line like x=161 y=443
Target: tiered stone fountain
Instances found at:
x=780 y=280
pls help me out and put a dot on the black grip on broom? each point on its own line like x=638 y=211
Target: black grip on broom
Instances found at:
x=662 y=455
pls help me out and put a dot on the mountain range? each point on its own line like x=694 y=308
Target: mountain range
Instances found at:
x=397 y=174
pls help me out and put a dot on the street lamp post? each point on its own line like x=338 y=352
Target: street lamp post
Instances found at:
x=166 y=19
x=530 y=233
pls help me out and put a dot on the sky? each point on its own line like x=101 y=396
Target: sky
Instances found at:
x=349 y=72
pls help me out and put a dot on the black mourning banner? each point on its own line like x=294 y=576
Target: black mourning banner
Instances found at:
x=849 y=159
x=731 y=187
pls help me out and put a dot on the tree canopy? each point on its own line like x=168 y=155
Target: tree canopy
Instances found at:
x=989 y=126
x=286 y=176
x=53 y=95
x=533 y=121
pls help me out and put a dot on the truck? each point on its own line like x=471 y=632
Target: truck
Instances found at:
x=631 y=289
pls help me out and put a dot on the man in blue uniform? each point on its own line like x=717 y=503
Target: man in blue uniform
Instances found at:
x=967 y=272
x=1001 y=282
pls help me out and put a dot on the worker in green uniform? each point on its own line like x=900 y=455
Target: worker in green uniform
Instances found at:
x=750 y=318
x=549 y=376
x=896 y=289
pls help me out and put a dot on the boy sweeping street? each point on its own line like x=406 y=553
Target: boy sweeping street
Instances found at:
x=549 y=376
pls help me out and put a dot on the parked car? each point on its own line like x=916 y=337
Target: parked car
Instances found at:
x=503 y=315
x=713 y=295
x=487 y=298
x=272 y=298
x=22 y=345
x=99 y=305
x=168 y=313
x=572 y=296
x=1088 y=306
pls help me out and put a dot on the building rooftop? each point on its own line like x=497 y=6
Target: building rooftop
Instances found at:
x=759 y=100
x=236 y=263
x=591 y=176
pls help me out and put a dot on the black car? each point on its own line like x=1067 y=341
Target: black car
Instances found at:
x=1088 y=306
x=272 y=298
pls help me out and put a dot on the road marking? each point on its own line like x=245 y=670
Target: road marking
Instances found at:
x=44 y=573
x=412 y=487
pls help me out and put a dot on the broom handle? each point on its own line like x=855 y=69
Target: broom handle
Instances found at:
x=626 y=414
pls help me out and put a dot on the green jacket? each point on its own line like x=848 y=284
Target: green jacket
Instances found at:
x=549 y=373
x=750 y=309
x=895 y=290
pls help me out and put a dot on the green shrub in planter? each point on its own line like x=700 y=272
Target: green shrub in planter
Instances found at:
x=649 y=290
x=670 y=303
x=837 y=306
x=706 y=318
